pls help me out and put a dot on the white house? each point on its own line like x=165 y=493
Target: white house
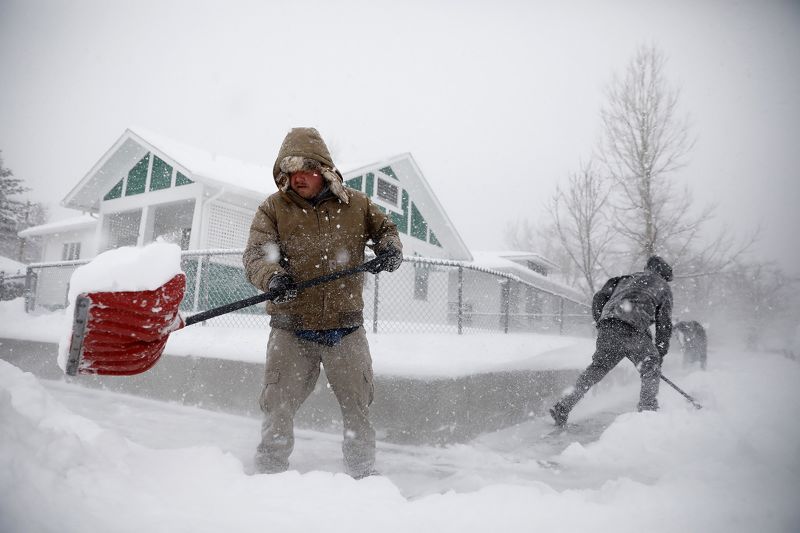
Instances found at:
x=147 y=187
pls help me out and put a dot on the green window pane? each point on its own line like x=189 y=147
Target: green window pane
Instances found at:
x=355 y=183
x=115 y=192
x=162 y=175
x=419 y=228
x=389 y=172
x=401 y=219
x=370 y=188
x=180 y=179
x=434 y=241
x=137 y=177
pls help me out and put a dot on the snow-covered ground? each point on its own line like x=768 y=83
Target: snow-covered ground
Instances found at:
x=396 y=354
x=74 y=459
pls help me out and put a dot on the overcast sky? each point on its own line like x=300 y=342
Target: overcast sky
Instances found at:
x=497 y=100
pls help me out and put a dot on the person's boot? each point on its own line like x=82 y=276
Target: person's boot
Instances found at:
x=369 y=473
x=559 y=415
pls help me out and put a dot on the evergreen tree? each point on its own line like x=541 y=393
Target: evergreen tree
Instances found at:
x=12 y=210
x=17 y=214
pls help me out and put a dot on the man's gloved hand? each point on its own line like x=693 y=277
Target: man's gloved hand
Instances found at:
x=389 y=260
x=284 y=287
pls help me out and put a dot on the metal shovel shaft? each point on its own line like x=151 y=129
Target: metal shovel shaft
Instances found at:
x=685 y=395
x=269 y=295
x=671 y=384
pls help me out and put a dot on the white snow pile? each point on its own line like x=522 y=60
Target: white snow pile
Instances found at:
x=127 y=268
x=733 y=466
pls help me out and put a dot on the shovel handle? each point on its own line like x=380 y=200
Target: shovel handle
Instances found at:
x=269 y=295
x=685 y=395
x=671 y=384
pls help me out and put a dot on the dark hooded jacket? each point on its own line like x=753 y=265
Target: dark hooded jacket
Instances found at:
x=639 y=299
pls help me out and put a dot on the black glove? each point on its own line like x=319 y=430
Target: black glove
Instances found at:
x=389 y=260
x=284 y=288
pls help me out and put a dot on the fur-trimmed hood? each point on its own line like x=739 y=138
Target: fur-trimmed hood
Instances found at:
x=304 y=149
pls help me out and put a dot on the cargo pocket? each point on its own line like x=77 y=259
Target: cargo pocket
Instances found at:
x=271 y=377
x=370 y=386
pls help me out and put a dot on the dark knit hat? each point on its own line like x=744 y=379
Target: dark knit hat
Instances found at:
x=659 y=266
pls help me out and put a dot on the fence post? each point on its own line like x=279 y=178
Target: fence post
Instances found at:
x=197 y=273
x=561 y=316
x=460 y=299
x=30 y=290
x=505 y=293
x=375 y=305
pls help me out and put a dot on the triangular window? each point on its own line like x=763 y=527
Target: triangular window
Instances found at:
x=419 y=228
x=137 y=177
x=161 y=177
x=115 y=192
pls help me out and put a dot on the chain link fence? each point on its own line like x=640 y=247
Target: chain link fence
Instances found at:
x=423 y=296
x=11 y=286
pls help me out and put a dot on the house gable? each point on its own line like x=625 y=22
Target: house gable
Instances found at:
x=136 y=183
x=130 y=167
x=149 y=174
x=398 y=188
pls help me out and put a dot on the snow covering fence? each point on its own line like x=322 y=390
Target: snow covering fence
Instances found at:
x=423 y=296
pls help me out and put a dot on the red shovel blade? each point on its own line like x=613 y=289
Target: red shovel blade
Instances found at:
x=123 y=333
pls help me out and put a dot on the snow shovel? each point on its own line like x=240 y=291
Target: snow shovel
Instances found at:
x=671 y=384
x=124 y=333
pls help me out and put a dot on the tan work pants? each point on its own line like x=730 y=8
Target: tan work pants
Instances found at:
x=293 y=366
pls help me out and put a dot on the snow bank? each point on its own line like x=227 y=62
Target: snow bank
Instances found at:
x=731 y=467
x=122 y=269
x=431 y=355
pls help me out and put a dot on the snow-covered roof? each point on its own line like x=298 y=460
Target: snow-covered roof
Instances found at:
x=521 y=255
x=198 y=165
x=9 y=266
x=495 y=261
x=209 y=166
x=70 y=224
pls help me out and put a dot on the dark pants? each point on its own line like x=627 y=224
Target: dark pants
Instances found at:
x=617 y=340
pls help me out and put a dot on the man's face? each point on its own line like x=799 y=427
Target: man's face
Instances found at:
x=306 y=183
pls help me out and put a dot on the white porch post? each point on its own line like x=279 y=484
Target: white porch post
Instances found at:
x=196 y=239
x=144 y=224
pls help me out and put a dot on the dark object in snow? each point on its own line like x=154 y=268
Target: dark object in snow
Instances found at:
x=694 y=343
x=124 y=333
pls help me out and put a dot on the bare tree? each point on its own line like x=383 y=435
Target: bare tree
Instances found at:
x=580 y=216
x=541 y=238
x=644 y=143
x=761 y=301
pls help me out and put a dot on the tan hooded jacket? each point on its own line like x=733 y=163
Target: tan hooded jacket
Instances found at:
x=290 y=235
